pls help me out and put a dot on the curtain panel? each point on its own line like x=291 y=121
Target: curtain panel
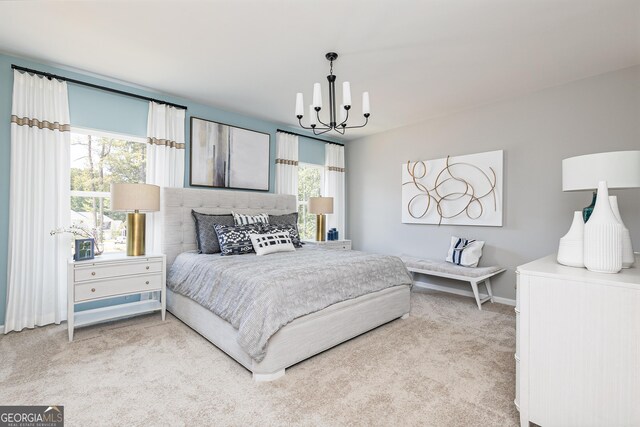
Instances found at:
x=165 y=160
x=334 y=186
x=39 y=203
x=286 y=163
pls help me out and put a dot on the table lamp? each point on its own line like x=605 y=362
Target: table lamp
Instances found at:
x=321 y=206
x=620 y=169
x=135 y=199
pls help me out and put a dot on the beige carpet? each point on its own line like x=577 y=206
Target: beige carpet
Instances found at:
x=449 y=364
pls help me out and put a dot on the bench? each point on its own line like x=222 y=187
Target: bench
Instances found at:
x=473 y=275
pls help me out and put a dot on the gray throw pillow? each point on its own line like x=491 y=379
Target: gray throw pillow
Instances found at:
x=236 y=239
x=206 y=236
x=291 y=218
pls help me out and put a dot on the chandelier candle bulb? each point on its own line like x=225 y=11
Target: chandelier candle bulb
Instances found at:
x=299 y=105
x=312 y=116
x=366 y=108
x=346 y=94
x=317 y=96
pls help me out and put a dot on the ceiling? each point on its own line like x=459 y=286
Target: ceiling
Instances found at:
x=418 y=58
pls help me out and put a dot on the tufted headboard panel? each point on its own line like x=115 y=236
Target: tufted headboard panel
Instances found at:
x=178 y=227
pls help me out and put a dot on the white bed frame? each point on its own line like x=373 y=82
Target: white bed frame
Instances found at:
x=300 y=339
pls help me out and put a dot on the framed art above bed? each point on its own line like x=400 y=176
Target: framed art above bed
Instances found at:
x=228 y=156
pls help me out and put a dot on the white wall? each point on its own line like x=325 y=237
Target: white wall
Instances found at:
x=537 y=131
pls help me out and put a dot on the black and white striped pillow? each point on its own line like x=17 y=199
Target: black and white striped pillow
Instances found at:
x=241 y=219
x=265 y=244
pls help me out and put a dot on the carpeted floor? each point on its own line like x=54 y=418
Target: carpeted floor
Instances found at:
x=449 y=364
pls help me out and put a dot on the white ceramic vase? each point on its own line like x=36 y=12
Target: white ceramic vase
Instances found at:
x=571 y=247
x=603 y=236
x=628 y=258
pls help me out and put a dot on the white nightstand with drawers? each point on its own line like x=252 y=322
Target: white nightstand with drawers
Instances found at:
x=114 y=275
x=342 y=245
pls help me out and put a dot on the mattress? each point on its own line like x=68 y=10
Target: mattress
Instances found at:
x=259 y=295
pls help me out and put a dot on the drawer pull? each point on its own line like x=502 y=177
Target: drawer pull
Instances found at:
x=147 y=282
x=93 y=289
x=93 y=273
x=147 y=267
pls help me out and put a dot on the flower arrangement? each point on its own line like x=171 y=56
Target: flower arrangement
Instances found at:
x=85 y=233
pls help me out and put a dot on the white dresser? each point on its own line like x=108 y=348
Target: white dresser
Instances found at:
x=343 y=245
x=577 y=346
x=114 y=275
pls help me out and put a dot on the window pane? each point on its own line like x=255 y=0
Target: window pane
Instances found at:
x=96 y=162
x=309 y=185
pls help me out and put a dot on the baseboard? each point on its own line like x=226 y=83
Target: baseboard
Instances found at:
x=450 y=290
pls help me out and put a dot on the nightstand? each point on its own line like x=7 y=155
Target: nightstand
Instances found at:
x=342 y=245
x=114 y=275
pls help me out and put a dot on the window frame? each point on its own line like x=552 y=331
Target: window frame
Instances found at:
x=300 y=204
x=103 y=134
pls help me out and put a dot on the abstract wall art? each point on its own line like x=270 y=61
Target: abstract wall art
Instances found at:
x=461 y=190
x=228 y=156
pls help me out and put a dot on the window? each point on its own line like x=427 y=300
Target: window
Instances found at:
x=98 y=159
x=310 y=183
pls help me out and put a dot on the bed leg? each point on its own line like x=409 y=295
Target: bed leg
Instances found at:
x=268 y=377
x=405 y=316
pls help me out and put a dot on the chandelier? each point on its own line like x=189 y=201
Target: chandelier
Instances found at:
x=337 y=124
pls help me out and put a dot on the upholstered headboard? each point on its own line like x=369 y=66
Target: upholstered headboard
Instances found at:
x=178 y=227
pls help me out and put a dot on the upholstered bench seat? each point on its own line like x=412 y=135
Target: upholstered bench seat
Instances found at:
x=473 y=275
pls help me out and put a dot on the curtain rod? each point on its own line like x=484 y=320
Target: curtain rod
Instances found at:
x=310 y=137
x=107 y=89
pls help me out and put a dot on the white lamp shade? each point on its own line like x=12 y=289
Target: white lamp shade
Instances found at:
x=621 y=169
x=135 y=197
x=321 y=205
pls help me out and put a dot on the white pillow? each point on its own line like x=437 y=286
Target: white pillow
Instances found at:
x=265 y=244
x=465 y=252
x=241 y=219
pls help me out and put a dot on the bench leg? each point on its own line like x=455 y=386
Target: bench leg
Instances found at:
x=474 y=286
x=489 y=291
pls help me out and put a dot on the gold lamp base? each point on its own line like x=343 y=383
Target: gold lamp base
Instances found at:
x=135 y=234
x=321 y=225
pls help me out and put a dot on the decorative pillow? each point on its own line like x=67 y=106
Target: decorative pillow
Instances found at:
x=292 y=229
x=242 y=219
x=465 y=252
x=291 y=218
x=206 y=236
x=265 y=244
x=235 y=239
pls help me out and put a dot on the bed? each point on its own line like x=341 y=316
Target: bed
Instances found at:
x=299 y=338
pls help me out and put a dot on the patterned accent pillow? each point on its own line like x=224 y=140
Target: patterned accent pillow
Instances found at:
x=242 y=219
x=291 y=218
x=206 y=236
x=292 y=229
x=235 y=239
x=265 y=244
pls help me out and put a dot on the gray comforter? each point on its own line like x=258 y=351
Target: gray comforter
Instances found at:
x=259 y=295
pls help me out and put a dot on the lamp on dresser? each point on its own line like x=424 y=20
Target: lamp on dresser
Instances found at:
x=611 y=170
x=321 y=206
x=136 y=199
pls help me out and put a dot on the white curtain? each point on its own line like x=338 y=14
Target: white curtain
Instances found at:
x=286 y=163
x=165 y=160
x=39 y=202
x=334 y=186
